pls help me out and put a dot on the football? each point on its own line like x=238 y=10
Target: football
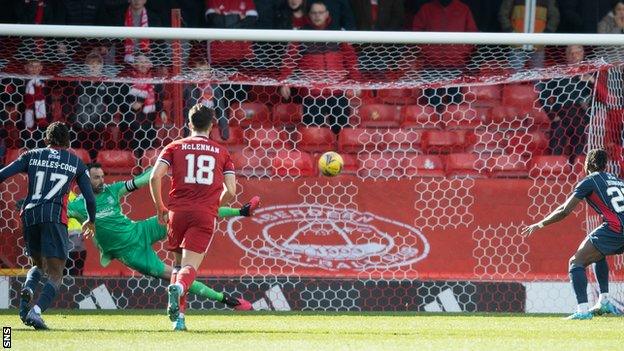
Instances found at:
x=330 y=164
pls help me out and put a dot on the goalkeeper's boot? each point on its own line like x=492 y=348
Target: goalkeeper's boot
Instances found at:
x=179 y=324
x=173 y=305
x=238 y=304
x=34 y=320
x=249 y=208
x=580 y=315
x=25 y=297
x=604 y=307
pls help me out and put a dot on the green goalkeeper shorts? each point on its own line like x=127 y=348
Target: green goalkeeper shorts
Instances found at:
x=142 y=257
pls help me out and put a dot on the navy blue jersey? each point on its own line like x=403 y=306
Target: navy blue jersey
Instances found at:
x=51 y=173
x=604 y=192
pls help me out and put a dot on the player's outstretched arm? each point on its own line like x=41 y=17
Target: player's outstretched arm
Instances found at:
x=88 y=227
x=229 y=193
x=560 y=213
x=17 y=166
x=156 y=190
x=136 y=183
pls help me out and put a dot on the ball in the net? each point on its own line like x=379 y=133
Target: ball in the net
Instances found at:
x=330 y=164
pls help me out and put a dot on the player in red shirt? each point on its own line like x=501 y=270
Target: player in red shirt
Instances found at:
x=199 y=168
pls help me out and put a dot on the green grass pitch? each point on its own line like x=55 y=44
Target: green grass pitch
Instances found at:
x=150 y=330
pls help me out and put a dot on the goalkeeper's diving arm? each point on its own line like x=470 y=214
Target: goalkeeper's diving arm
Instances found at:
x=138 y=182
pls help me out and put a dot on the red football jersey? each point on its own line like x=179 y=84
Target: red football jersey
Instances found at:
x=197 y=165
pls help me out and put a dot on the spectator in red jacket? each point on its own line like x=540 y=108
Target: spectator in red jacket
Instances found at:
x=321 y=63
x=137 y=15
x=142 y=107
x=445 y=16
x=236 y=14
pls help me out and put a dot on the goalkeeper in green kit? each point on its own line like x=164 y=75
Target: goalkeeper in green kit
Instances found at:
x=118 y=237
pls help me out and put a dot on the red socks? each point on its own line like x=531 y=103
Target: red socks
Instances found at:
x=185 y=277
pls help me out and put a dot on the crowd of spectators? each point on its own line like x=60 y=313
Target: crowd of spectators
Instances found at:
x=564 y=16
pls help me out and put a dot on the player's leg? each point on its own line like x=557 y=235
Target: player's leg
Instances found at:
x=30 y=285
x=147 y=262
x=246 y=210
x=151 y=230
x=607 y=242
x=584 y=256
x=185 y=277
x=604 y=305
x=32 y=238
x=178 y=225
x=54 y=250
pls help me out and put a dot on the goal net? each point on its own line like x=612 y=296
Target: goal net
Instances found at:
x=450 y=149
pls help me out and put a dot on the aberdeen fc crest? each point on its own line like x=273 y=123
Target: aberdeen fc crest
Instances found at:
x=328 y=238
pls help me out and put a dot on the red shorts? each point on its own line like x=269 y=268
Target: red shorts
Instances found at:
x=190 y=230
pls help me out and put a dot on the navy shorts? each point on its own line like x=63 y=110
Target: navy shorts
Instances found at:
x=607 y=241
x=47 y=240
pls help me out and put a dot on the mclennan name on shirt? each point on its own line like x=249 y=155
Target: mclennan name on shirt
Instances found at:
x=52 y=164
x=201 y=147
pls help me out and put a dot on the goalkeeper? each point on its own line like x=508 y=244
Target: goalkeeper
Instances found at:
x=118 y=237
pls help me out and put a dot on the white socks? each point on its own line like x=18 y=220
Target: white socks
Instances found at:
x=604 y=297
x=582 y=307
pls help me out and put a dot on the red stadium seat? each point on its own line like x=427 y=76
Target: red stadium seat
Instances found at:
x=275 y=138
x=351 y=164
x=380 y=165
x=488 y=142
x=377 y=115
x=460 y=116
x=235 y=142
x=533 y=143
x=149 y=158
x=82 y=154
x=398 y=96
x=293 y=163
x=521 y=96
x=253 y=163
x=423 y=166
x=434 y=141
x=357 y=139
x=483 y=95
x=550 y=167
x=505 y=166
x=117 y=161
x=510 y=116
x=463 y=165
x=316 y=139
x=420 y=117
x=250 y=113
x=287 y=114
x=401 y=139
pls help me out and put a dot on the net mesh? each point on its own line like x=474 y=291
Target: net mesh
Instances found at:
x=442 y=128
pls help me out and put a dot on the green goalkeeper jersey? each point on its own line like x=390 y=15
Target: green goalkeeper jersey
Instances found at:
x=113 y=230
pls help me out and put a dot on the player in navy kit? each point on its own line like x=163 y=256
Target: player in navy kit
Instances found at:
x=604 y=192
x=51 y=172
